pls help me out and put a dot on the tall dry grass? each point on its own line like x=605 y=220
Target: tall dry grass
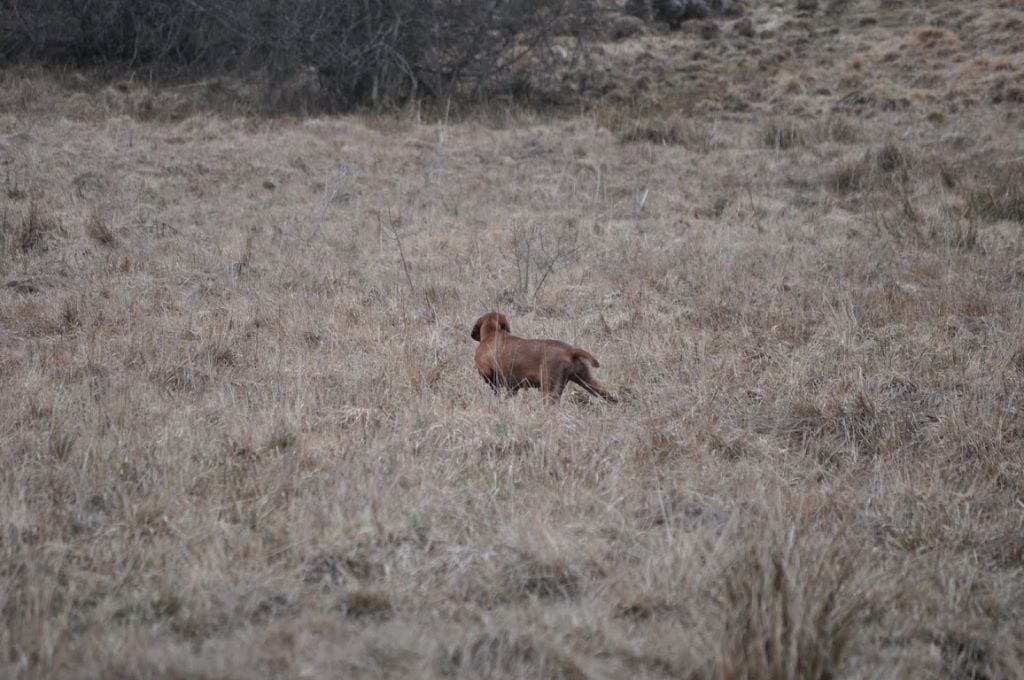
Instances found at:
x=241 y=434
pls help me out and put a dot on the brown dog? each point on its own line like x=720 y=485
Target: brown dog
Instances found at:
x=514 y=363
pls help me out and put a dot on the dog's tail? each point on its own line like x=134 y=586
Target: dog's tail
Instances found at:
x=576 y=353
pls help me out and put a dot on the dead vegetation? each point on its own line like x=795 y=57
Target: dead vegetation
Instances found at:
x=241 y=434
x=999 y=194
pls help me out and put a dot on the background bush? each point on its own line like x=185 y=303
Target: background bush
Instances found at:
x=324 y=54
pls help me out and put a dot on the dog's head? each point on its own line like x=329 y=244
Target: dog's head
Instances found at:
x=488 y=324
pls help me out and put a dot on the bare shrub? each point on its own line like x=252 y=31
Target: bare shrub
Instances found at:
x=314 y=53
x=675 y=12
x=536 y=251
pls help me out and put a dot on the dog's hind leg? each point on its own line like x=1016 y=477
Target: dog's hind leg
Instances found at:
x=594 y=386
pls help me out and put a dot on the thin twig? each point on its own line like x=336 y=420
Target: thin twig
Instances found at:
x=393 y=224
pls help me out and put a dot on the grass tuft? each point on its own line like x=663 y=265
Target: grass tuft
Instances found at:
x=670 y=131
x=365 y=603
x=1001 y=197
x=30 y=233
x=96 y=228
x=531 y=578
x=506 y=654
x=782 y=135
x=791 y=610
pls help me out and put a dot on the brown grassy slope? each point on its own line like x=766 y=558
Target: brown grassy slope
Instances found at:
x=241 y=434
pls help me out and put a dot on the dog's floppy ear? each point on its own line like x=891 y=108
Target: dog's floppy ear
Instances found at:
x=503 y=323
x=476 y=330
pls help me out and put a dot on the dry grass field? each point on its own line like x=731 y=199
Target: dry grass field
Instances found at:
x=241 y=434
